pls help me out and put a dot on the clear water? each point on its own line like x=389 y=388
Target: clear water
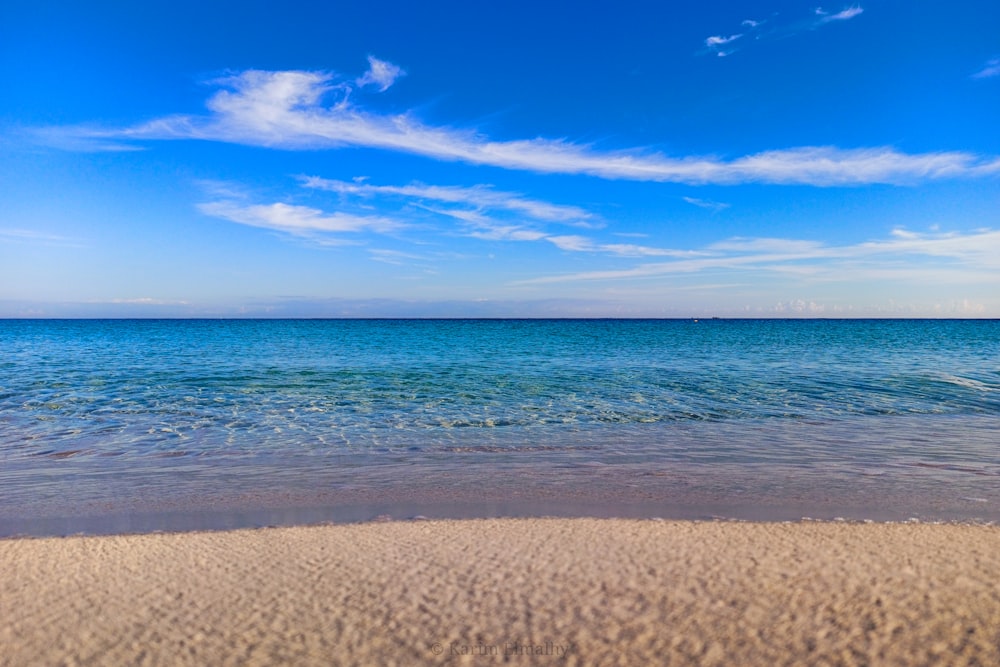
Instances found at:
x=134 y=416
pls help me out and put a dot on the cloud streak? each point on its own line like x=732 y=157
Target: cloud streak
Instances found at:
x=843 y=15
x=718 y=40
x=286 y=110
x=483 y=213
x=478 y=196
x=715 y=43
x=574 y=243
x=34 y=236
x=302 y=221
x=990 y=69
x=706 y=204
x=479 y=211
x=953 y=257
x=762 y=30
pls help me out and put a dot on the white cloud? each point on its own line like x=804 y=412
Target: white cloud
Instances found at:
x=380 y=73
x=715 y=43
x=484 y=213
x=285 y=110
x=776 y=29
x=465 y=215
x=843 y=15
x=800 y=307
x=479 y=196
x=766 y=245
x=35 y=236
x=717 y=40
x=482 y=226
x=571 y=243
x=220 y=189
x=482 y=222
x=82 y=139
x=296 y=220
x=574 y=243
x=706 y=203
x=827 y=165
x=977 y=249
x=971 y=258
x=990 y=69
x=396 y=257
x=632 y=250
x=147 y=301
x=499 y=232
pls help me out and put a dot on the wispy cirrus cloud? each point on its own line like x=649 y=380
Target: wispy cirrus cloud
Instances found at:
x=989 y=69
x=765 y=245
x=719 y=44
x=381 y=74
x=757 y=30
x=477 y=197
x=954 y=256
x=34 y=236
x=706 y=204
x=719 y=40
x=288 y=110
x=397 y=257
x=972 y=257
x=303 y=221
x=146 y=301
x=842 y=15
x=482 y=212
x=575 y=243
x=478 y=212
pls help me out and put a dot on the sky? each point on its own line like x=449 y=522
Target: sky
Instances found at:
x=500 y=159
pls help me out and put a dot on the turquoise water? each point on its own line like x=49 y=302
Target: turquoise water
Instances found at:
x=134 y=416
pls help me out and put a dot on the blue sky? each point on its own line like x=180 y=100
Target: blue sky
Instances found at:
x=500 y=159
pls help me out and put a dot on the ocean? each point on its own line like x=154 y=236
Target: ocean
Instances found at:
x=137 y=425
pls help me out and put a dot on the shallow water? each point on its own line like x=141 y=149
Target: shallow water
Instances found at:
x=344 y=418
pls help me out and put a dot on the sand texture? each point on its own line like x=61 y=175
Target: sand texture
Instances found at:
x=538 y=591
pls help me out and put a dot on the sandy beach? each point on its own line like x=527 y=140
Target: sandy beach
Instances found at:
x=520 y=591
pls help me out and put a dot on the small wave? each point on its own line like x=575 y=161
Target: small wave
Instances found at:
x=968 y=383
x=464 y=449
x=65 y=454
x=954 y=467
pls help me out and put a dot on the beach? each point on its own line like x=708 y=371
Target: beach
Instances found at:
x=205 y=492
x=519 y=591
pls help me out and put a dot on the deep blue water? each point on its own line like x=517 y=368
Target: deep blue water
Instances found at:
x=133 y=415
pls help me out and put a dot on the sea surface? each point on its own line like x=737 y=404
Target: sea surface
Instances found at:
x=134 y=425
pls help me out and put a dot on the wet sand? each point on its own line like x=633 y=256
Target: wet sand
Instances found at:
x=524 y=591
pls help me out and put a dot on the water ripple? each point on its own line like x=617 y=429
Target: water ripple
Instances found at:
x=148 y=388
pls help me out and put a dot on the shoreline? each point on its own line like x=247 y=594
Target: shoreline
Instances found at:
x=235 y=516
x=112 y=496
x=889 y=470
x=532 y=591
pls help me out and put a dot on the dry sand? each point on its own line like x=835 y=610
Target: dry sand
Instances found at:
x=574 y=591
